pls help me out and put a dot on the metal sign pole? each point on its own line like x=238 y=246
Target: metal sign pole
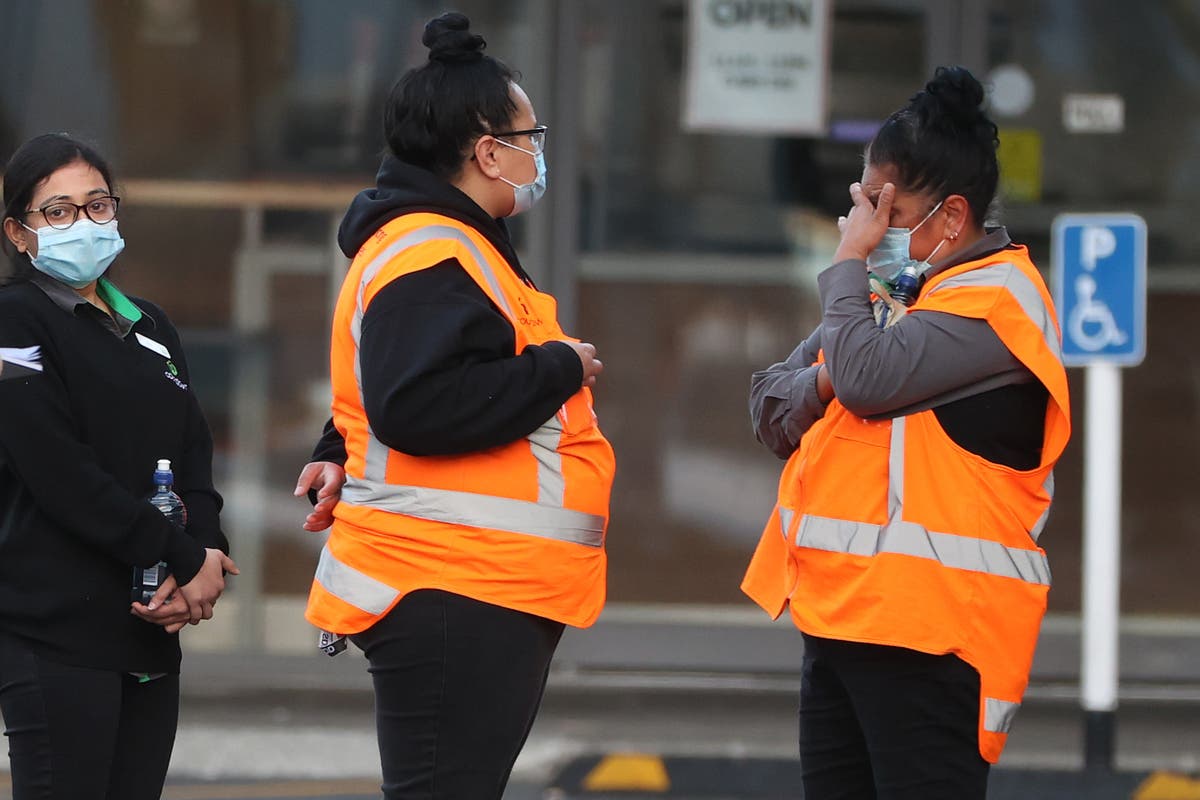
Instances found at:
x=1098 y=263
x=1101 y=563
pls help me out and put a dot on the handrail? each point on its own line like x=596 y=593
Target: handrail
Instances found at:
x=306 y=195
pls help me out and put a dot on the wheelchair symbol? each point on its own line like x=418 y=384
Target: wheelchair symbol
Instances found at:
x=1092 y=324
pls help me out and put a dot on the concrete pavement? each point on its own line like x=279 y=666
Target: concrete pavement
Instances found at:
x=684 y=683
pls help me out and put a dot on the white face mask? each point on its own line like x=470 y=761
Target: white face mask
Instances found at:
x=77 y=255
x=892 y=253
x=526 y=194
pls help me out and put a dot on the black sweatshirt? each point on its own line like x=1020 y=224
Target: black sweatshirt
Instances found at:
x=439 y=371
x=79 y=443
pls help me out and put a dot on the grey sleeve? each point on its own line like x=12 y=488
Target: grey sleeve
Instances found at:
x=924 y=360
x=783 y=398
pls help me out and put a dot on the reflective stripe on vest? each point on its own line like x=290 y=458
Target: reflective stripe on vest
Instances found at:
x=786 y=515
x=375 y=459
x=352 y=586
x=1040 y=525
x=543 y=443
x=1023 y=290
x=910 y=539
x=901 y=537
x=998 y=715
x=478 y=511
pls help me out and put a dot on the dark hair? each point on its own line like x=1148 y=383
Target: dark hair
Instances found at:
x=942 y=142
x=435 y=111
x=34 y=162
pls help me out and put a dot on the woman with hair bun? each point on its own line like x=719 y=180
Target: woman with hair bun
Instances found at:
x=921 y=422
x=463 y=470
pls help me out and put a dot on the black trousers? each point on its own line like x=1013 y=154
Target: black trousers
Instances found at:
x=457 y=686
x=887 y=723
x=84 y=734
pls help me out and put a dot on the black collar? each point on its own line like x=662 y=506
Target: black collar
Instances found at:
x=74 y=303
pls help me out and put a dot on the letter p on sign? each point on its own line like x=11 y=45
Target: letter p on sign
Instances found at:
x=1095 y=244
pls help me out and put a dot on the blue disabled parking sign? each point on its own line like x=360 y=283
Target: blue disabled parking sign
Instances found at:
x=1098 y=274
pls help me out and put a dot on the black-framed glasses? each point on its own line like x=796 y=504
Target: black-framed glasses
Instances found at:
x=62 y=214
x=537 y=137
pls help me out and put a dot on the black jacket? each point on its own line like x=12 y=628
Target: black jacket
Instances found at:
x=440 y=374
x=79 y=442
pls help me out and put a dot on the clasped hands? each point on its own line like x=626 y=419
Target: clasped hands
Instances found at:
x=174 y=606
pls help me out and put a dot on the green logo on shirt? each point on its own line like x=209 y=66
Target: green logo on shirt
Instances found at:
x=174 y=370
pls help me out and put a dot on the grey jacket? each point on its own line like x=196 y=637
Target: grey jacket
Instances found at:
x=921 y=362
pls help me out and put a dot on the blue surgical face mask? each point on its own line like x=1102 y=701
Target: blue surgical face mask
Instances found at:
x=526 y=194
x=77 y=255
x=892 y=253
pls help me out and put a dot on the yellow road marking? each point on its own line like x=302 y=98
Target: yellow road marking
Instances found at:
x=1166 y=786
x=628 y=772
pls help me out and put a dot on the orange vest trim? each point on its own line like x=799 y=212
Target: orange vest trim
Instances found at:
x=888 y=532
x=521 y=525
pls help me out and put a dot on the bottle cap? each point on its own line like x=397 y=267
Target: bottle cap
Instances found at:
x=164 y=465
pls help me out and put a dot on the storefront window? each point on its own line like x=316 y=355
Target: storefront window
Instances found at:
x=700 y=254
x=1143 y=59
x=696 y=253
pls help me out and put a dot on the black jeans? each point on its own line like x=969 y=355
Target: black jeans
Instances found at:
x=887 y=723
x=84 y=734
x=457 y=686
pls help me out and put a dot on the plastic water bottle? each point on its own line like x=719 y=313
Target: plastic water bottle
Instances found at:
x=146 y=581
x=906 y=284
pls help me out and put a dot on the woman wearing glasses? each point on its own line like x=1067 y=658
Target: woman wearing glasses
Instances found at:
x=89 y=684
x=470 y=527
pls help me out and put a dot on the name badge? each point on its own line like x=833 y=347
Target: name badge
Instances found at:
x=150 y=344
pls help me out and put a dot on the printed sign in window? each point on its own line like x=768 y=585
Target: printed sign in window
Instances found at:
x=759 y=66
x=1094 y=113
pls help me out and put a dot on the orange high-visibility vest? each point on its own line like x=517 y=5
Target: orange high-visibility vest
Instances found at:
x=890 y=533
x=520 y=526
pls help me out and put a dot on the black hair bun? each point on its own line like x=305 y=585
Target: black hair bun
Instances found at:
x=956 y=92
x=450 y=40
